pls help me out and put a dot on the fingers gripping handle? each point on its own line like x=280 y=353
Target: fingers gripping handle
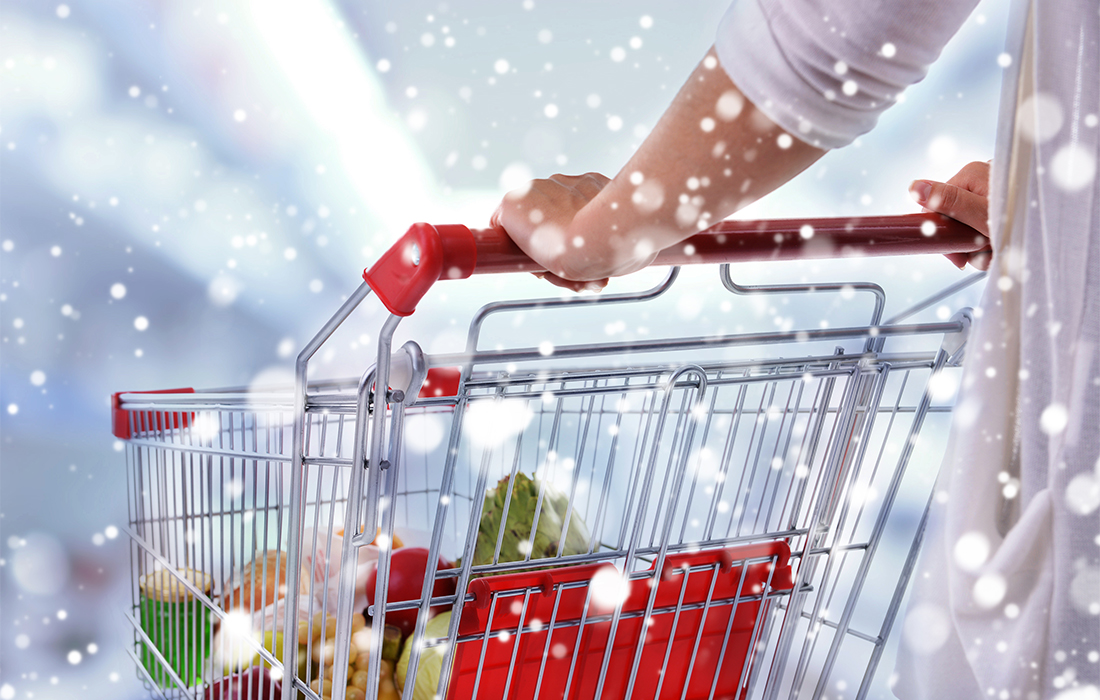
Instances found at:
x=419 y=259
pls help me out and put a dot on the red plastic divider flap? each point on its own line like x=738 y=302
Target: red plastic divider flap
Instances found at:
x=695 y=644
x=475 y=614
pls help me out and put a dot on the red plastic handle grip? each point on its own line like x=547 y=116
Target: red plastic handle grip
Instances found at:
x=426 y=253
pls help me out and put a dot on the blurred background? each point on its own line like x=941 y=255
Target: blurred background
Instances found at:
x=189 y=189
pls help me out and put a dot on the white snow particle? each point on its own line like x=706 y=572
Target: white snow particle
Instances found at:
x=989 y=590
x=290 y=253
x=1091 y=121
x=38 y=377
x=427 y=39
x=383 y=65
x=928 y=228
x=889 y=50
x=222 y=290
x=285 y=348
x=546 y=348
x=784 y=141
x=550 y=110
x=118 y=290
x=707 y=124
x=729 y=105
x=840 y=67
x=806 y=232
x=1054 y=419
x=635 y=42
x=141 y=323
x=1073 y=167
x=545 y=36
x=74 y=657
x=593 y=101
x=417 y=119
x=8 y=246
x=111 y=531
x=134 y=91
x=22 y=641
x=316 y=286
x=62 y=614
x=478 y=162
x=926 y=628
x=1004 y=60
x=1083 y=494
x=1040 y=117
x=614 y=122
x=971 y=551
x=618 y=54
x=609 y=588
x=501 y=66
x=645 y=22
x=240 y=115
x=55 y=251
x=63 y=11
x=93 y=648
x=850 y=87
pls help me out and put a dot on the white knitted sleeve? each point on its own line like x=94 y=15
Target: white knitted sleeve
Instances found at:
x=825 y=69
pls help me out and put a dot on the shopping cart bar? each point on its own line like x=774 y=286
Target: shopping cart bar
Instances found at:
x=428 y=253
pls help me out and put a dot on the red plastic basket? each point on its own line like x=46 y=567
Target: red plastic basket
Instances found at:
x=700 y=585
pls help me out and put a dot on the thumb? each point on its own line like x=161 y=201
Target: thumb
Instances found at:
x=955 y=202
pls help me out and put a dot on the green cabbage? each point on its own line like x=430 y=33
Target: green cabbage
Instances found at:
x=431 y=660
x=521 y=516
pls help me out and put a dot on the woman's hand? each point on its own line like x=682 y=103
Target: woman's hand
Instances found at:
x=965 y=197
x=541 y=219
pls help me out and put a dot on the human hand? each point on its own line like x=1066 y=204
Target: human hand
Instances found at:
x=965 y=197
x=540 y=219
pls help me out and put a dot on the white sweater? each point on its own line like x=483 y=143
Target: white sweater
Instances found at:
x=1025 y=622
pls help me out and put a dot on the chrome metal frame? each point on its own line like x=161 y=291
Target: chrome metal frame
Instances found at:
x=814 y=514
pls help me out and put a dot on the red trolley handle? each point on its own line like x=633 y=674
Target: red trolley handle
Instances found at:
x=427 y=253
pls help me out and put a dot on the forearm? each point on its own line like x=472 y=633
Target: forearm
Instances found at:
x=711 y=154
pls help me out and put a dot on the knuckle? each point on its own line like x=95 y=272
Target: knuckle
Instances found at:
x=948 y=198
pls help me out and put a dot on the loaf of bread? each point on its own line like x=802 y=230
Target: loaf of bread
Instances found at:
x=261 y=583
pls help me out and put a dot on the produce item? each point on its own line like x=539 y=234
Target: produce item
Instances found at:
x=261 y=583
x=387 y=690
x=177 y=624
x=407 y=567
x=391 y=643
x=431 y=660
x=516 y=544
x=255 y=684
x=359 y=679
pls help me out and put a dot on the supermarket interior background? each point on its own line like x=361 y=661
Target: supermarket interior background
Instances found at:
x=189 y=189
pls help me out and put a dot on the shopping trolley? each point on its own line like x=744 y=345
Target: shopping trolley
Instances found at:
x=679 y=517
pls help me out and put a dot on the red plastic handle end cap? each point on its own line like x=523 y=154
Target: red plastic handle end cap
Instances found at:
x=420 y=258
x=150 y=420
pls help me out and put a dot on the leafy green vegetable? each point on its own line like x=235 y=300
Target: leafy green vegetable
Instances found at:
x=521 y=516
